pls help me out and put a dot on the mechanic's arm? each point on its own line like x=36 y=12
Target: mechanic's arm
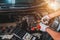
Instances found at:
x=46 y=18
x=55 y=35
x=55 y=14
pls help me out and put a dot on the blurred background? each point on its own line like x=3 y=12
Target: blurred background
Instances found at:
x=18 y=16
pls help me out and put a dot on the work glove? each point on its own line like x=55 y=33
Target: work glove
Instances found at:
x=43 y=27
x=45 y=19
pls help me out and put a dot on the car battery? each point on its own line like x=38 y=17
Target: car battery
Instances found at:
x=22 y=35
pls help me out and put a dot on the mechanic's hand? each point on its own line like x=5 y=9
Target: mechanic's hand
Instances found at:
x=45 y=19
x=43 y=27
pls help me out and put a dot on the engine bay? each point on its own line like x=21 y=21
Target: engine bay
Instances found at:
x=17 y=19
x=21 y=27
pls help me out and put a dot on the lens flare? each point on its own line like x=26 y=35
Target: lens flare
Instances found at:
x=53 y=4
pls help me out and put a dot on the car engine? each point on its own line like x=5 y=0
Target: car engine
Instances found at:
x=16 y=21
x=21 y=24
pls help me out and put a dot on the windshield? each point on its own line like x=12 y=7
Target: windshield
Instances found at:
x=16 y=1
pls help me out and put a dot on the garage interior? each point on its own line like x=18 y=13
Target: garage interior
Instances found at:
x=18 y=16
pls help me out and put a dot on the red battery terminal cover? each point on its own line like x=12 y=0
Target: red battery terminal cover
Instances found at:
x=37 y=27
